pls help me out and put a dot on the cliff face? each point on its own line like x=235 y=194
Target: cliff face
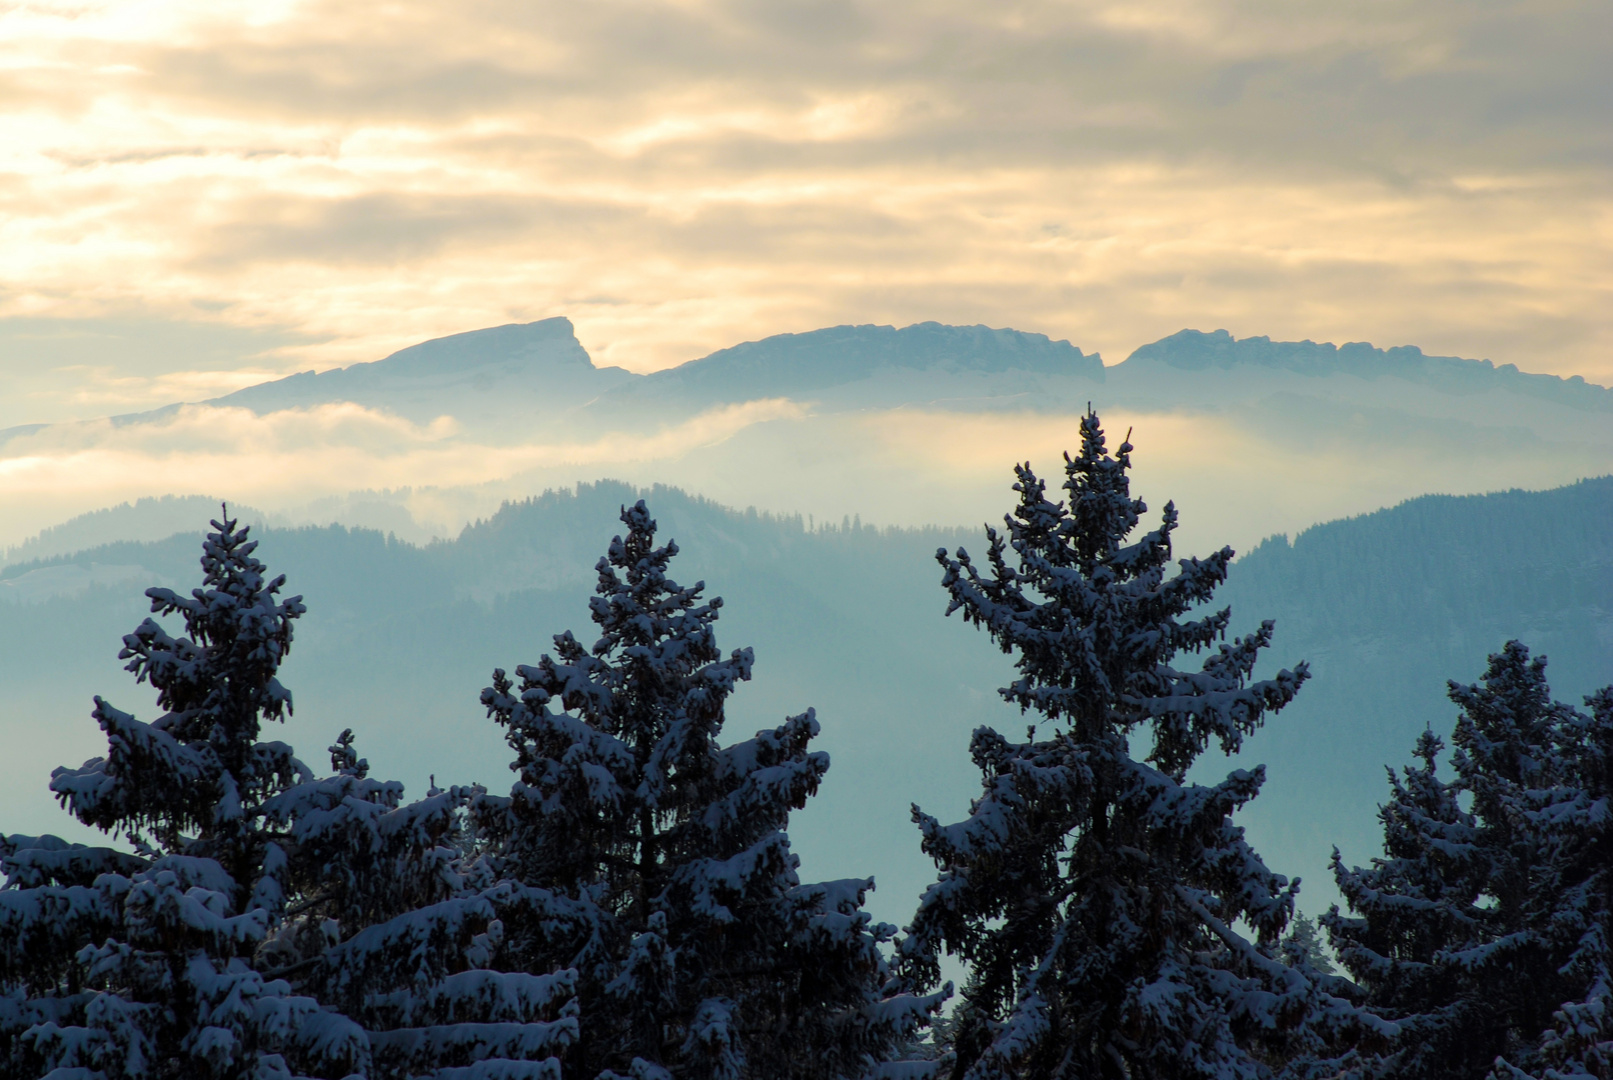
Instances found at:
x=444 y=374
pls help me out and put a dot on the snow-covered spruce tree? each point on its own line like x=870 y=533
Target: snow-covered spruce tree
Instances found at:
x=1578 y=876
x=1095 y=896
x=1415 y=903
x=139 y=965
x=1305 y=938
x=1487 y=931
x=192 y=782
x=700 y=955
x=261 y=896
x=397 y=923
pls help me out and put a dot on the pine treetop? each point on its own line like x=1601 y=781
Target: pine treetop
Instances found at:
x=192 y=780
x=1095 y=621
x=699 y=951
x=1095 y=896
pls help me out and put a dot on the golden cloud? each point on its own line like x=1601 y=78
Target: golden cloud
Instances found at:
x=297 y=455
x=677 y=177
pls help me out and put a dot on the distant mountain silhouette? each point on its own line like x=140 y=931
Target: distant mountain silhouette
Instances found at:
x=794 y=365
x=499 y=380
x=1194 y=350
x=545 y=359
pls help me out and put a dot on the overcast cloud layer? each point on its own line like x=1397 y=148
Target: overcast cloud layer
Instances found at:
x=276 y=186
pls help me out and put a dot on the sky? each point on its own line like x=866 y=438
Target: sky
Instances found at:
x=198 y=196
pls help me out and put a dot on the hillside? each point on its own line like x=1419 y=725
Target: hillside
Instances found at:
x=400 y=638
x=1387 y=607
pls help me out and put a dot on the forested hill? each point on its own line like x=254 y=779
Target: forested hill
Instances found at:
x=1387 y=607
x=1535 y=564
x=399 y=640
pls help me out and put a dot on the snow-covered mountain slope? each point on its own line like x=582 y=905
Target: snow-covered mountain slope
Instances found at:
x=1317 y=391
x=476 y=374
x=481 y=377
x=1194 y=350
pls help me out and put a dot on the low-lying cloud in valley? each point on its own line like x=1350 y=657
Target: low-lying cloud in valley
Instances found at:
x=910 y=427
x=290 y=457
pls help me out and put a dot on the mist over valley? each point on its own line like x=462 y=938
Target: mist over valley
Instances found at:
x=864 y=450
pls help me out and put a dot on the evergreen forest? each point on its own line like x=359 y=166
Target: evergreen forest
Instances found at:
x=625 y=897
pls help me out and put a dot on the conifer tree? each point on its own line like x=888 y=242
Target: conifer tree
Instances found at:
x=1305 y=940
x=193 y=781
x=140 y=964
x=1094 y=895
x=1418 y=901
x=699 y=953
x=398 y=924
x=1486 y=931
x=268 y=920
x=1578 y=877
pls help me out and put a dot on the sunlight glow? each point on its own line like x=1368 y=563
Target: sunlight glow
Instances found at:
x=680 y=177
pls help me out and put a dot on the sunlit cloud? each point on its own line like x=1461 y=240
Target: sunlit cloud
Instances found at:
x=297 y=455
x=678 y=177
x=1233 y=481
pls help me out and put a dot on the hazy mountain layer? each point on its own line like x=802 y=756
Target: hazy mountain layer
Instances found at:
x=904 y=426
x=399 y=639
x=143 y=519
x=1387 y=607
x=481 y=375
x=1194 y=350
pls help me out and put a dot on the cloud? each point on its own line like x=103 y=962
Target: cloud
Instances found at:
x=1410 y=171
x=376 y=230
x=1236 y=476
x=298 y=455
x=54 y=369
x=1395 y=77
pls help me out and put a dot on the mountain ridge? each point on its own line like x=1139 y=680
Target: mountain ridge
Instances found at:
x=1196 y=350
x=835 y=355
x=544 y=359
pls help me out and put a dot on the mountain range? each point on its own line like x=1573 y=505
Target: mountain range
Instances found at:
x=400 y=638
x=905 y=426
x=488 y=376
